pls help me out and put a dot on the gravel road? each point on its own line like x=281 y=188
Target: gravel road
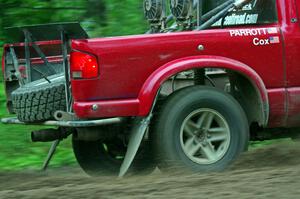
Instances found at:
x=270 y=172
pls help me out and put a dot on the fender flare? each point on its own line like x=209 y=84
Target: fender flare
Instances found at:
x=160 y=75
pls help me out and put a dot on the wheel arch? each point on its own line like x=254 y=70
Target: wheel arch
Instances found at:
x=158 y=77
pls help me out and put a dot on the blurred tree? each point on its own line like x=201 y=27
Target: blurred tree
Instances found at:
x=18 y=12
x=98 y=17
x=97 y=10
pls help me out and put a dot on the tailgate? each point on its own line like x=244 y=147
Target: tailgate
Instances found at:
x=36 y=52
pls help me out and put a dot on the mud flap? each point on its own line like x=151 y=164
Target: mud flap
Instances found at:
x=136 y=137
x=137 y=134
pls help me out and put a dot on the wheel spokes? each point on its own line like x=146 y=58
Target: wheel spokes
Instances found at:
x=190 y=128
x=209 y=152
x=201 y=120
x=208 y=121
x=205 y=120
x=217 y=138
x=205 y=136
x=188 y=144
x=221 y=148
x=217 y=134
x=194 y=149
x=217 y=130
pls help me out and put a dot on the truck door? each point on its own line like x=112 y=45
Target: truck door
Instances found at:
x=256 y=40
x=291 y=33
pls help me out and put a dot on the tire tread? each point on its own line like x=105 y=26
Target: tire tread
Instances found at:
x=39 y=103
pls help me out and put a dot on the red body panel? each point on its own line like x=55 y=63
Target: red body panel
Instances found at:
x=131 y=69
x=278 y=107
x=127 y=62
x=291 y=32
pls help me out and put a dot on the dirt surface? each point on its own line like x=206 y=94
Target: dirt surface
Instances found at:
x=271 y=172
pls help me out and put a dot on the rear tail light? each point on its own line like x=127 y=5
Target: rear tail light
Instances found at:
x=83 y=66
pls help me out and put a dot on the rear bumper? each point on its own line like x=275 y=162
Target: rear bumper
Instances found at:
x=74 y=124
x=107 y=109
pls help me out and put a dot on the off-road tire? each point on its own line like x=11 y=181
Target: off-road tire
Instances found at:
x=37 y=101
x=167 y=146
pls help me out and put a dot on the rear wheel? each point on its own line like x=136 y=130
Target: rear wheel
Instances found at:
x=201 y=129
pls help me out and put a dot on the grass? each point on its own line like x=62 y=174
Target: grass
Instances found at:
x=17 y=152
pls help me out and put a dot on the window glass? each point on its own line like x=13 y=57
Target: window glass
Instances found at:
x=256 y=12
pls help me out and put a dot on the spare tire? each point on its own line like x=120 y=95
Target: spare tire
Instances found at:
x=37 y=101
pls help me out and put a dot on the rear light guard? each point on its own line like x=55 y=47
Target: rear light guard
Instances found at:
x=83 y=65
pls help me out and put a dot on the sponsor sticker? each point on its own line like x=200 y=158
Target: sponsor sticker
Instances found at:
x=259 y=34
x=238 y=19
x=248 y=32
x=252 y=32
x=265 y=42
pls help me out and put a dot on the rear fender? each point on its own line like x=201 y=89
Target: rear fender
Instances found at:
x=158 y=77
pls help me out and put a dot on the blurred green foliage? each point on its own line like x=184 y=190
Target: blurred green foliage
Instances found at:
x=18 y=152
x=99 y=18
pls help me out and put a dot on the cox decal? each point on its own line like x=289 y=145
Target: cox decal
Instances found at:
x=261 y=42
x=264 y=42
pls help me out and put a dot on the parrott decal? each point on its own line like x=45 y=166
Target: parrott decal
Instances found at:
x=252 y=32
x=259 y=35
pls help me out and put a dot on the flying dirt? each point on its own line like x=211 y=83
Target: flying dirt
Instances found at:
x=268 y=172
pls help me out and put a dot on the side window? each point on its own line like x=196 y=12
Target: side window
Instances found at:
x=255 y=13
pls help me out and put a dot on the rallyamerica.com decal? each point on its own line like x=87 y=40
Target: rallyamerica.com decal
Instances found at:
x=258 y=33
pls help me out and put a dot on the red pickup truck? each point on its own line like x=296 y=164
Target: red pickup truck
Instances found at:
x=190 y=95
